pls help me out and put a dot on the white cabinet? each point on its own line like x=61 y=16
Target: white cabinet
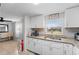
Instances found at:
x=56 y=48
x=37 y=21
x=75 y=50
x=35 y=45
x=33 y=22
x=38 y=46
x=44 y=47
x=72 y=17
x=31 y=44
x=68 y=49
x=52 y=48
x=26 y=41
x=34 y=48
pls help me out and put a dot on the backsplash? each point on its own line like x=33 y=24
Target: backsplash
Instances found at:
x=69 y=32
x=55 y=31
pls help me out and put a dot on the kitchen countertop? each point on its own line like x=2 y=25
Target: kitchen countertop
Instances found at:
x=65 y=40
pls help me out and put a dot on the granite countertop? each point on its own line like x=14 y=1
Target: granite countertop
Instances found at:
x=65 y=40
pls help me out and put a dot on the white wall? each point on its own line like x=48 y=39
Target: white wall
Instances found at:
x=70 y=32
x=26 y=27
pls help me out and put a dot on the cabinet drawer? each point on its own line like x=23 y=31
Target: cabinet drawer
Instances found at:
x=69 y=46
x=57 y=45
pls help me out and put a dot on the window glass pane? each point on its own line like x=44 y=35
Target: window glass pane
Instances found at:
x=55 y=22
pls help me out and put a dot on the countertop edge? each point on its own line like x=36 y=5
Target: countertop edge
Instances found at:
x=51 y=40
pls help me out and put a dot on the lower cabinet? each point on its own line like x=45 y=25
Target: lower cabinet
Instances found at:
x=45 y=47
x=51 y=48
x=68 y=49
x=57 y=48
x=75 y=51
x=37 y=46
x=31 y=45
x=26 y=43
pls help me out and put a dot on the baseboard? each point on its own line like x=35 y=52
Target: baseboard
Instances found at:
x=33 y=52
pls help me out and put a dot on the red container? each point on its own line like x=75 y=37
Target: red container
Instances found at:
x=22 y=45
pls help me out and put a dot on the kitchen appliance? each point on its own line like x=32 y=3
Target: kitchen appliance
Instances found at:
x=76 y=36
x=35 y=33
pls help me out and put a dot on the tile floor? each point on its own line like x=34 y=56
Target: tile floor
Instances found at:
x=11 y=48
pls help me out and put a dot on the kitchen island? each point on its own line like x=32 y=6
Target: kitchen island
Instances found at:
x=48 y=46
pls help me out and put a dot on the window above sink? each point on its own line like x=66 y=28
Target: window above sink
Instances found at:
x=55 y=23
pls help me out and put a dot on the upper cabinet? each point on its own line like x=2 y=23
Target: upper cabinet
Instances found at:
x=72 y=17
x=37 y=21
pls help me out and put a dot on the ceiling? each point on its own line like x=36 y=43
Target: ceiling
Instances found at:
x=30 y=9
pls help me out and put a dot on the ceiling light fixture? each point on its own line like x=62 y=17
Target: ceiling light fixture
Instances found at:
x=35 y=3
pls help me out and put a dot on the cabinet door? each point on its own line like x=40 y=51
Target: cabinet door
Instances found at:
x=56 y=48
x=40 y=21
x=45 y=47
x=72 y=17
x=37 y=21
x=68 y=49
x=26 y=41
x=45 y=50
x=75 y=50
x=31 y=44
x=38 y=46
x=33 y=22
x=52 y=48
